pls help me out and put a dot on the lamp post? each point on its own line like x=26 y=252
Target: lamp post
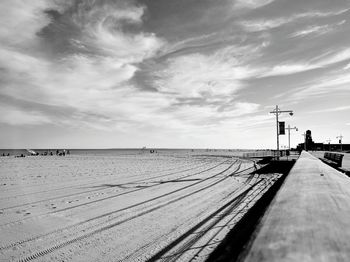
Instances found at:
x=276 y=112
x=290 y=128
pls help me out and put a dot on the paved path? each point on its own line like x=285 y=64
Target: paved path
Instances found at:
x=309 y=219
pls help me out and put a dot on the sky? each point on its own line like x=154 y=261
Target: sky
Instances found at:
x=172 y=74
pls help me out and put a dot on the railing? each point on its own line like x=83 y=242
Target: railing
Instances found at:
x=266 y=153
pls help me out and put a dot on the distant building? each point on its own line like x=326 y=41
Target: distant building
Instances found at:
x=308 y=140
x=309 y=144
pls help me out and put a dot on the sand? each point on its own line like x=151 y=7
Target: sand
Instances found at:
x=134 y=207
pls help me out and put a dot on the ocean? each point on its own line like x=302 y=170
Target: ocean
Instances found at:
x=126 y=151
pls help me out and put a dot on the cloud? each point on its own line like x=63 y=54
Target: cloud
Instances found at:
x=320 y=87
x=246 y=108
x=314 y=30
x=113 y=66
x=262 y=25
x=198 y=75
x=318 y=30
x=92 y=83
x=102 y=28
x=193 y=117
x=24 y=17
x=331 y=57
x=206 y=75
x=328 y=58
x=251 y=4
x=95 y=86
x=287 y=69
x=334 y=109
x=267 y=24
x=14 y=116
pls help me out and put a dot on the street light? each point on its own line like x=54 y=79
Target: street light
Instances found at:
x=276 y=112
x=290 y=128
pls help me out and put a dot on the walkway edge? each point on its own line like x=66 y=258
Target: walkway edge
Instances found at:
x=308 y=219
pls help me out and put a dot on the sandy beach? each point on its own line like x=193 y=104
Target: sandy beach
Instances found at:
x=126 y=207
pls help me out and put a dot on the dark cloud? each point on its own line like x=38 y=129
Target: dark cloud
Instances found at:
x=185 y=18
x=59 y=36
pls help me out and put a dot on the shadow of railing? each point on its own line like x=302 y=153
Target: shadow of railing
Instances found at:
x=234 y=245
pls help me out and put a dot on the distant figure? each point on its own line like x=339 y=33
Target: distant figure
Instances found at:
x=8 y=154
x=3 y=154
x=57 y=152
x=51 y=154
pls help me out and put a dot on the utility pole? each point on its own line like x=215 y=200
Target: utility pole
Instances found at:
x=276 y=112
x=290 y=128
x=340 y=138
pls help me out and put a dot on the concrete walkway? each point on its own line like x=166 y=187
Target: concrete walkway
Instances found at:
x=309 y=219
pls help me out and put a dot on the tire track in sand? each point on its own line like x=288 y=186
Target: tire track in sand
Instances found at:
x=119 y=210
x=105 y=198
x=110 y=226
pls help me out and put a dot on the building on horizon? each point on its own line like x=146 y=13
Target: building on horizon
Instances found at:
x=309 y=144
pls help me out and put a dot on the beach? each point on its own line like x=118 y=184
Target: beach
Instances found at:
x=124 y=206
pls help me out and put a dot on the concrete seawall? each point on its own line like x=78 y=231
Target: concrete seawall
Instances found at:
x=309 y=218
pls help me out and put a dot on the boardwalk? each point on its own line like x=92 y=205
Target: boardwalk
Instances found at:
x=309 y=219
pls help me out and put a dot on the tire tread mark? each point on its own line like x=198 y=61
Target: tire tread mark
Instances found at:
x=102 y=229
x=228 y=206
x=93 y=190
x=266 y=185
x=105 y=198
x=115 y=211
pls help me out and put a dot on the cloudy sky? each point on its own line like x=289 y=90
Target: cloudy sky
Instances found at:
x=162 y=73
